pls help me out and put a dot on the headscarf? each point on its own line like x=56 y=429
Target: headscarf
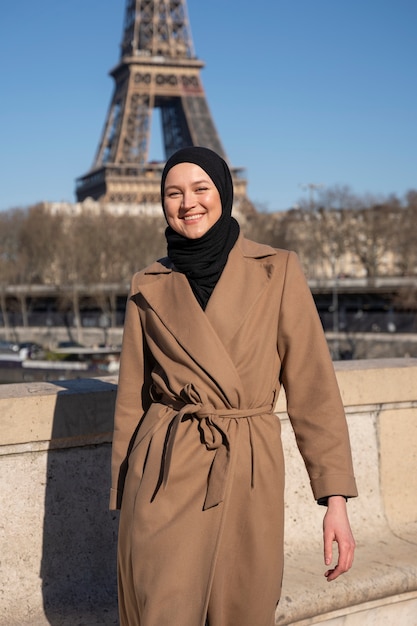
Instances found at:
x=202 y=260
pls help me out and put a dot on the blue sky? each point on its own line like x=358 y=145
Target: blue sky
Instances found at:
x=301 y=91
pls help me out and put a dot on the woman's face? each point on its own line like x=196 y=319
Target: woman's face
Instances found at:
x=191 y=200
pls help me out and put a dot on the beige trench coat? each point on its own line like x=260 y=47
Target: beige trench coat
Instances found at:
x=196 y=449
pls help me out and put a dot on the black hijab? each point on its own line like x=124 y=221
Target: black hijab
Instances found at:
x=202 y=260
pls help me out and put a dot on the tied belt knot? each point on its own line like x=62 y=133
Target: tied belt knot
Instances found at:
x=213 y=436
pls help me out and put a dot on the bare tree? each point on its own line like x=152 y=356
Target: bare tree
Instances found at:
x=38 y=240
x=322 y=230
x=333 y=231
x=10 y=252
x=371 y=237
x=266 y=228
x=405 y=236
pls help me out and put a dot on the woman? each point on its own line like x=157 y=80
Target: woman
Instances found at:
x=211 y=332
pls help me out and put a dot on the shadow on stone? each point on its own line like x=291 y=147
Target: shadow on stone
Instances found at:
x=78 y=567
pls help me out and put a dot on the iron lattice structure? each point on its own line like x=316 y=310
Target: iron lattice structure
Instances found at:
x=157 y=70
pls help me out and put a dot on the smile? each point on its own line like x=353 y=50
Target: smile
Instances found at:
x=190 y=218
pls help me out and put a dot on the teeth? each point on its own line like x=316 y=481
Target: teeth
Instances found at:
x=188 y=218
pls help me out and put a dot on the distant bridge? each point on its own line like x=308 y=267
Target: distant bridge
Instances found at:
x=345 y=284
x=387 y=285
x=344 y=303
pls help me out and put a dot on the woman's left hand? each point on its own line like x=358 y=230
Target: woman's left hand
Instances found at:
x=336 y=528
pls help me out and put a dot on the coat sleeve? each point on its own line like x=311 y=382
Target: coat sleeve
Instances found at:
x=132 y=394
x=314 y=403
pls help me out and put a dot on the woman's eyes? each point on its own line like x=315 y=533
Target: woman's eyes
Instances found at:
x=177 y=193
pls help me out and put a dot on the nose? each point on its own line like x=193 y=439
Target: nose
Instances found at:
x=188 y=199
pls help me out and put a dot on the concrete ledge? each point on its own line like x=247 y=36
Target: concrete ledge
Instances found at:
x=58 y=539
x=380 y=399
x=35 y=412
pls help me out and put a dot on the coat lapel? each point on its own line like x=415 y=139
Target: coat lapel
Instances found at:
x=206 y=335
x=170 y=296
x=247 y=273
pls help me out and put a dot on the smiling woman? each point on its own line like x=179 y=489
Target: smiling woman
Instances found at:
x=197 y=198
x=211 y=333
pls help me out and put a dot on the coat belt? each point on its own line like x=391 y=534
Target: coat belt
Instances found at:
x=213 y=435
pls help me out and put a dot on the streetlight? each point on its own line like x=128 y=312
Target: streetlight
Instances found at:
x=335 y=306
x=311 y=188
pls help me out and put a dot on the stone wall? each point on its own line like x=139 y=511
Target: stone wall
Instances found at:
x=58 y=539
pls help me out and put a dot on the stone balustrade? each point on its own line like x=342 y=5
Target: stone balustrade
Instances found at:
x=58 y=539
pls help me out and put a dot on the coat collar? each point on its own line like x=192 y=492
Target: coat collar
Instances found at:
x=206 y=335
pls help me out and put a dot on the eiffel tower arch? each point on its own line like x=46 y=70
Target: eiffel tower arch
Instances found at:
x=157 y=69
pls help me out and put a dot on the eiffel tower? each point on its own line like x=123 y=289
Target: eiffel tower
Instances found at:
x=157 y=69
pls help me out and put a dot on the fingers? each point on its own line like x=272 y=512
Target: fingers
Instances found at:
x=345 y=561
x=328 y=548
